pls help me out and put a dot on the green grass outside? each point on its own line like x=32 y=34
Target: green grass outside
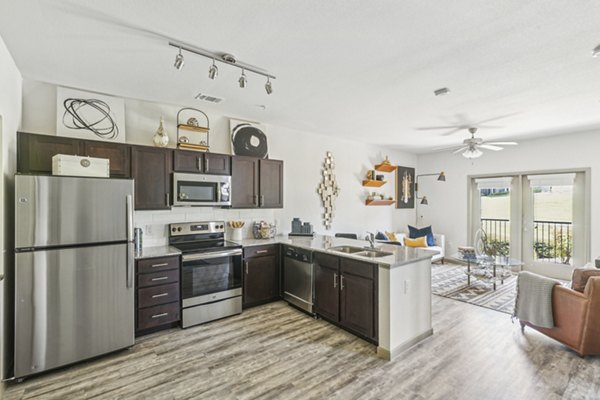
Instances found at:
x=549 y=206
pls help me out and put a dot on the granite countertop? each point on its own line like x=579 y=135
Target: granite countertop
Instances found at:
x=402 y=255
x=157 y=251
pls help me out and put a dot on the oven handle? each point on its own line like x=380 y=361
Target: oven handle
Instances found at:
x=208 y=256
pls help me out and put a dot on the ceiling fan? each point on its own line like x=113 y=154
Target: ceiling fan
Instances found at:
x=463 y=122
x=472 y=147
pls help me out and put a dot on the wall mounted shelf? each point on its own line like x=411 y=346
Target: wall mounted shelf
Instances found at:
x=373 y=183
x=380 y=202
x=385 y=168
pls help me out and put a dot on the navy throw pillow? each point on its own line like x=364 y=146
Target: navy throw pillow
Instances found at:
x=415 y=233
x=381 y=236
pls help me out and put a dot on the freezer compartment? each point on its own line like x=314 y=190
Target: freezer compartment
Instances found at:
x=72 y=304
x=63 y=211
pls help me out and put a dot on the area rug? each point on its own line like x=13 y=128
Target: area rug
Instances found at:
x=450 y=280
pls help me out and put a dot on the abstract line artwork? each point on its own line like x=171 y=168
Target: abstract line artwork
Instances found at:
x=328 y=190
x=89 y=115
x=248 y=139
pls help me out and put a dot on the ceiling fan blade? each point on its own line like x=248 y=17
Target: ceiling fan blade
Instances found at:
x=479 y=123
x=461 y=149
x=433 y=128
x=453 y=131
x=490 y=127
x=503 y=143
x=490 y=147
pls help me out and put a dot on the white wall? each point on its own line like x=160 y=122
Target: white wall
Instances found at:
x=302 y=152
x=447 y=210
x=10 y=117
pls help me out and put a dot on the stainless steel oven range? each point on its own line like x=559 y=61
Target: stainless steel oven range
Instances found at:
x=211 y=272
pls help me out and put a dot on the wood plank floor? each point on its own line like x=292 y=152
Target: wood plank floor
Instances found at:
x=276 y=352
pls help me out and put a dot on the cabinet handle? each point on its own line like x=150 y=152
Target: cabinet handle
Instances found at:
x=156 y=296
x=334 y=281
x=160 y=315
x=246 y=264
x=255 y=200
x=206 y=160
x=159 y=265
x=341 y=282
x=162 y=278
x=199 y=163
x=168 y=199
x=262 y=200
x=262 y=251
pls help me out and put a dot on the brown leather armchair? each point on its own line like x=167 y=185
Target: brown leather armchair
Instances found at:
x=576 y=318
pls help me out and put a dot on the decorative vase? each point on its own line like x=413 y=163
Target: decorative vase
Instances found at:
x=161 y=137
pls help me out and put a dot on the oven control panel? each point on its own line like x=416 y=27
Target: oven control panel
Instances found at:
x=192 y=228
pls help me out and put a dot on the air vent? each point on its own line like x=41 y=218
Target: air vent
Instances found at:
x=208 y=98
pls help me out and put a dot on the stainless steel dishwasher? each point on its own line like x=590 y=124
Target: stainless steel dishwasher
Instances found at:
x=298 y=278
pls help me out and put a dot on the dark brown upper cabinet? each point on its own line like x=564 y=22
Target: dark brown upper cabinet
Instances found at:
x=151 y=168
x=206 y=163
x=256 y=183
x=118 y=155
x=35 y=152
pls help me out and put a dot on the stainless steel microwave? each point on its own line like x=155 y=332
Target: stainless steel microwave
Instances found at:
x=201 y=190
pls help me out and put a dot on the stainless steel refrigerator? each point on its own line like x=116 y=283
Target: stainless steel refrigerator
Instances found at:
x=74 y=292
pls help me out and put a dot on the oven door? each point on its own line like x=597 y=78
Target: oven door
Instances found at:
x=201 y=190
x=205 y=274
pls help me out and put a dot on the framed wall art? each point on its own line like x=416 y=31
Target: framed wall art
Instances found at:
x=405 y=187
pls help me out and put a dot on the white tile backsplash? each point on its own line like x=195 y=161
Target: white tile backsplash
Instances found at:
x=154 y=224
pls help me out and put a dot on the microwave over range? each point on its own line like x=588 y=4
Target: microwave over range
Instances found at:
x=201 y=190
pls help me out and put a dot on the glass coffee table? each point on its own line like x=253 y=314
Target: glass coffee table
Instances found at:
x=489 y=269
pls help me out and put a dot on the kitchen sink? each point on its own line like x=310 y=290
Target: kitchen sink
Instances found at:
x=347 y=249
x=373 y=253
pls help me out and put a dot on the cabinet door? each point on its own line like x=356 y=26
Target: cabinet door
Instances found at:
x=217 y=164
x=357 y=304
x=35 y=152
x=244 y=182
x=271 y=184
x=151 y=169
x=118 y=154
x=327 y=295
x=261 y=280
x=188 y=161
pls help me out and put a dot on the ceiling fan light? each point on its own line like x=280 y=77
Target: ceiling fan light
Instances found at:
x=472 y=153
x=213 y=71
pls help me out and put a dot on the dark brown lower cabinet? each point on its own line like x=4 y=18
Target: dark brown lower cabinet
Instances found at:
x=157 y=298
x=346 y=294
x=260 y=275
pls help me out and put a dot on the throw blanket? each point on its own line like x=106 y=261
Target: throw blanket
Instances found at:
x=534 y=299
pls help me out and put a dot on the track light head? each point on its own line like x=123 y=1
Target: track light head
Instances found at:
x=179 y=61
x=213 y=71
x=424 y=201
x=269 y=86
x=242 y=81
x=442 y=177
x=596 y=51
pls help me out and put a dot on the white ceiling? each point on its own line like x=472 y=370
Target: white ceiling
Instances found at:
x=363 y=70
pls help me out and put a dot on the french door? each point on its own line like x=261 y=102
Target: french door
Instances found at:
x=539 y=218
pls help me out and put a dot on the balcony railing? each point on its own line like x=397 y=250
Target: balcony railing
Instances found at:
x=552 y=240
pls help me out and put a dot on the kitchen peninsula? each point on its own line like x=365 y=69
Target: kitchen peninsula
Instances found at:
x=402 y=312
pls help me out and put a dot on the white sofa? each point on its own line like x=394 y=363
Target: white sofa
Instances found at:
x=440 y=245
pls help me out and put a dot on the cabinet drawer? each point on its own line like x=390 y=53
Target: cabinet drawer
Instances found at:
x=158 y=278
x=259 y=251
x=157 y=264
x=158 y=315
x=156 y=295
x=326 y=260
x=358 y=268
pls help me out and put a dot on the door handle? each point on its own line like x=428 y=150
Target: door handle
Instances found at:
x=341 y=282
x=199 y=164
x=168 y=198
x=334 y=281
x=206 y=160
x=246 y=265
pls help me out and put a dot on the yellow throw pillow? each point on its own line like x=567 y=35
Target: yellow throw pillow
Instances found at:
x=391 y=236
x=419 y=242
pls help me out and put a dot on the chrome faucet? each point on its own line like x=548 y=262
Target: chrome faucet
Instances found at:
x=371 y=239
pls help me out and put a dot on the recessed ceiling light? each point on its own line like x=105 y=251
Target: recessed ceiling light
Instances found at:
x=441 y=92
x=596 y=51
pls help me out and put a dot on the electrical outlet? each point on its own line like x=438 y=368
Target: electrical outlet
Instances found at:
x=148 y=230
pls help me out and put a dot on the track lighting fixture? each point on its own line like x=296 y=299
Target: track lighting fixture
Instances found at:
x=224 y=58
x=213 y=71
x=242 y=81
x=268 y=86
x=596 y=51
x=179 y=61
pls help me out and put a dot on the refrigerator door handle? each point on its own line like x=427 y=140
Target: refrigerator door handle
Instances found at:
x=129 y=208
x=129 y=271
